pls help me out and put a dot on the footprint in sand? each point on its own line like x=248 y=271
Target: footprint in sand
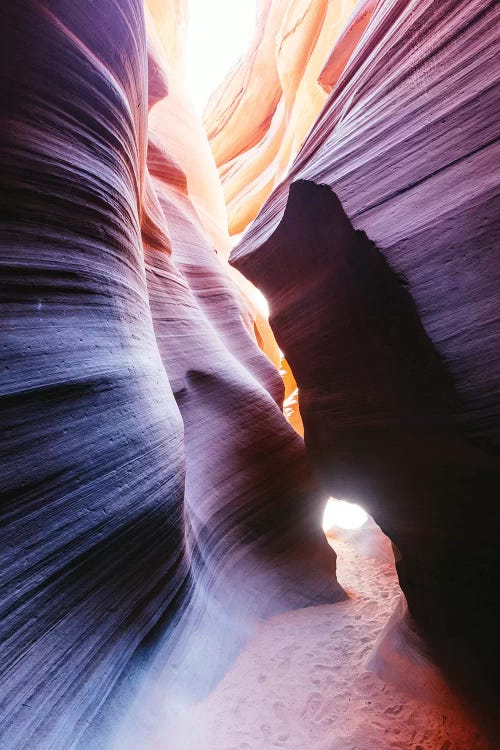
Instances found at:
x=363 y=684
x=265 y=729
x=288 y=650
x=280 y=710
x=282 y=738
x=393 y=710
x=323 y=669
x=314 y=702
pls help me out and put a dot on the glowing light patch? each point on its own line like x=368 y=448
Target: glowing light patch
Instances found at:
x=342 y=514
x=219 y=34
x=260 y=302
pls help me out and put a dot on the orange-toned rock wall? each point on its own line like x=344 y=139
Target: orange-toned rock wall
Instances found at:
x=260 y=115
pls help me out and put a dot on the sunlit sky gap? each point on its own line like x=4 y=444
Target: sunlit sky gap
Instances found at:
x=219 y=34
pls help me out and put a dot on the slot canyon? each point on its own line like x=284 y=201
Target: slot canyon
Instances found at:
x=250 y=377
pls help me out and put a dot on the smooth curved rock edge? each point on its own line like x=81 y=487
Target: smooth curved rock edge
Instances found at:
x=256 y=130
x=408 y=140
x=155 y=502
x=381 y=425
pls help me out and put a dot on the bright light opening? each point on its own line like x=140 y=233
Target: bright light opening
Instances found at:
x=260 y=302
x=219 y=34
x=343 y=515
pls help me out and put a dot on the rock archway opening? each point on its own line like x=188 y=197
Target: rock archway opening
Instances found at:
x=342 y=514
x=166 y=582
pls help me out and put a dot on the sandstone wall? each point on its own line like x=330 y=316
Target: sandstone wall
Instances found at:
x=150 y=483
x=396 y=350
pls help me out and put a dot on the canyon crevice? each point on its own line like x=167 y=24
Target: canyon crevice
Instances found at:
x=160 y=506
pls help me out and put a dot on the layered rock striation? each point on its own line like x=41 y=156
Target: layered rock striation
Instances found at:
x=154 y=499
x=395 y=345
x=259 y=116
x=382 y=421
x=156 y=504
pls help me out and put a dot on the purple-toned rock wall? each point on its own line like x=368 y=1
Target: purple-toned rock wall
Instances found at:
x=153 y=494
x=395 y=346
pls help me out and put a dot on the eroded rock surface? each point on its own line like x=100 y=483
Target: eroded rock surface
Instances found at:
x=408 y=141
x=259 y=116
x=400 y=400
x=153 y=492
x=155 y=501
x=381 y=421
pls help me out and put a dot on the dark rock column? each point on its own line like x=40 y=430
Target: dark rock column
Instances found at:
x=380 y=417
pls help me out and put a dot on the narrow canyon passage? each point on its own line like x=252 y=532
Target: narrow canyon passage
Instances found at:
x=318 y=678
x=248 y=263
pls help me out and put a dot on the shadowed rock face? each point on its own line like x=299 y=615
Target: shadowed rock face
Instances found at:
x=92 y=551
x=153 y=495
x=400 y=398
x=155 y=502
x=408 y=140
x=381 y=424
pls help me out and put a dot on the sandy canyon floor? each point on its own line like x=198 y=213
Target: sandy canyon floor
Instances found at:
x=306 y=680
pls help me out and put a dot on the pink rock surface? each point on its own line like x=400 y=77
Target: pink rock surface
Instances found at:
x=154 y=496
x=156 y=504
x=408 y=142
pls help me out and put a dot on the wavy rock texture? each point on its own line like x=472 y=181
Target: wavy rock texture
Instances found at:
x=174 y=121
x=256 y=130
x=155 y=500
x=156 y=504
x=398 y=393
